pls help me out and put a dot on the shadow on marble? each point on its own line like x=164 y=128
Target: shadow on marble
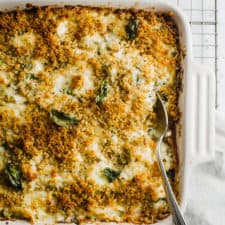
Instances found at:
x=215 y=168
x=194 y=218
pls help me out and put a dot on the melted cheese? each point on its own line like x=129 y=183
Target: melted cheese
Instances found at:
x=24 y=40
x=112 y=213
x=38 y=66
x=62 y=28
x=77 y=115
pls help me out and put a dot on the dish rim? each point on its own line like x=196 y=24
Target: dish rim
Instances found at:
x=185 y=41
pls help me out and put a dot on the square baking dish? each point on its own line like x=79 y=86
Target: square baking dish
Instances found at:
x=195 y=131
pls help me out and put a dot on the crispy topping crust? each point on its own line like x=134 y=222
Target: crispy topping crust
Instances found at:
x=98 y=70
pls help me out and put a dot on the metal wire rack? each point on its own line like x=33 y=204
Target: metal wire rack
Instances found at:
x=202 y=15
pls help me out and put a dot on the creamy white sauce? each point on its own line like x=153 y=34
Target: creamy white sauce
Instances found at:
x=112 y=213
x=96 y=174
x=23 y=40
x=38 y=67
x=133 y=169
x=62 y=28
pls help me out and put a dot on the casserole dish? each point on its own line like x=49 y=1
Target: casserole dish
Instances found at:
x=195 y=132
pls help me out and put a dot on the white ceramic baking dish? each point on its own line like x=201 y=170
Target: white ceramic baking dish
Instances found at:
x=195 y=133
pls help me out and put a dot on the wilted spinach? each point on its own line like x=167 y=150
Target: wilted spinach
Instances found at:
x=124 y=158
x=105 y=70
x=111 y=174
x=62 y=119
x=31 y=76
x=132 y=28
x=171 y=174
x=14 y=176
x=103 y=92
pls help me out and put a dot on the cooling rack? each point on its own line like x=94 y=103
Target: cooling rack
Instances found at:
x=202 y=15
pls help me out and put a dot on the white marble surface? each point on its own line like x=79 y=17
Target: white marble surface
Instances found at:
x=206 y=204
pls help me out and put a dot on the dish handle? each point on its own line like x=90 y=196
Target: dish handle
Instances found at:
x=201 y=104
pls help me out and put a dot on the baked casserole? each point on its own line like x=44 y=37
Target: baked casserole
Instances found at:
x=78 y=115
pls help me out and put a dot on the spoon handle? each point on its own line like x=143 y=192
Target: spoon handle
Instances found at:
x=178 y=219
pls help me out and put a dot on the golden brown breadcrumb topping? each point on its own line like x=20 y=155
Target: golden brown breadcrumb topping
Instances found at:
x=78 y=125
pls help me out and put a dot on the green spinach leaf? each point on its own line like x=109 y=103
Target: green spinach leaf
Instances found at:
x=14 y=176
x=62 y=119
x=103 y=92
x=171 y=174
x=111 y=174
x=132 y=28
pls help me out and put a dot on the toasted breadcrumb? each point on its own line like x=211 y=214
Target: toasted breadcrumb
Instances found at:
x=77 y=98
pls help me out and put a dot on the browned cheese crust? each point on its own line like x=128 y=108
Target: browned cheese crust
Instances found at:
x=78 y=128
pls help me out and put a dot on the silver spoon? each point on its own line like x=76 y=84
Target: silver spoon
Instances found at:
x=162 y=115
